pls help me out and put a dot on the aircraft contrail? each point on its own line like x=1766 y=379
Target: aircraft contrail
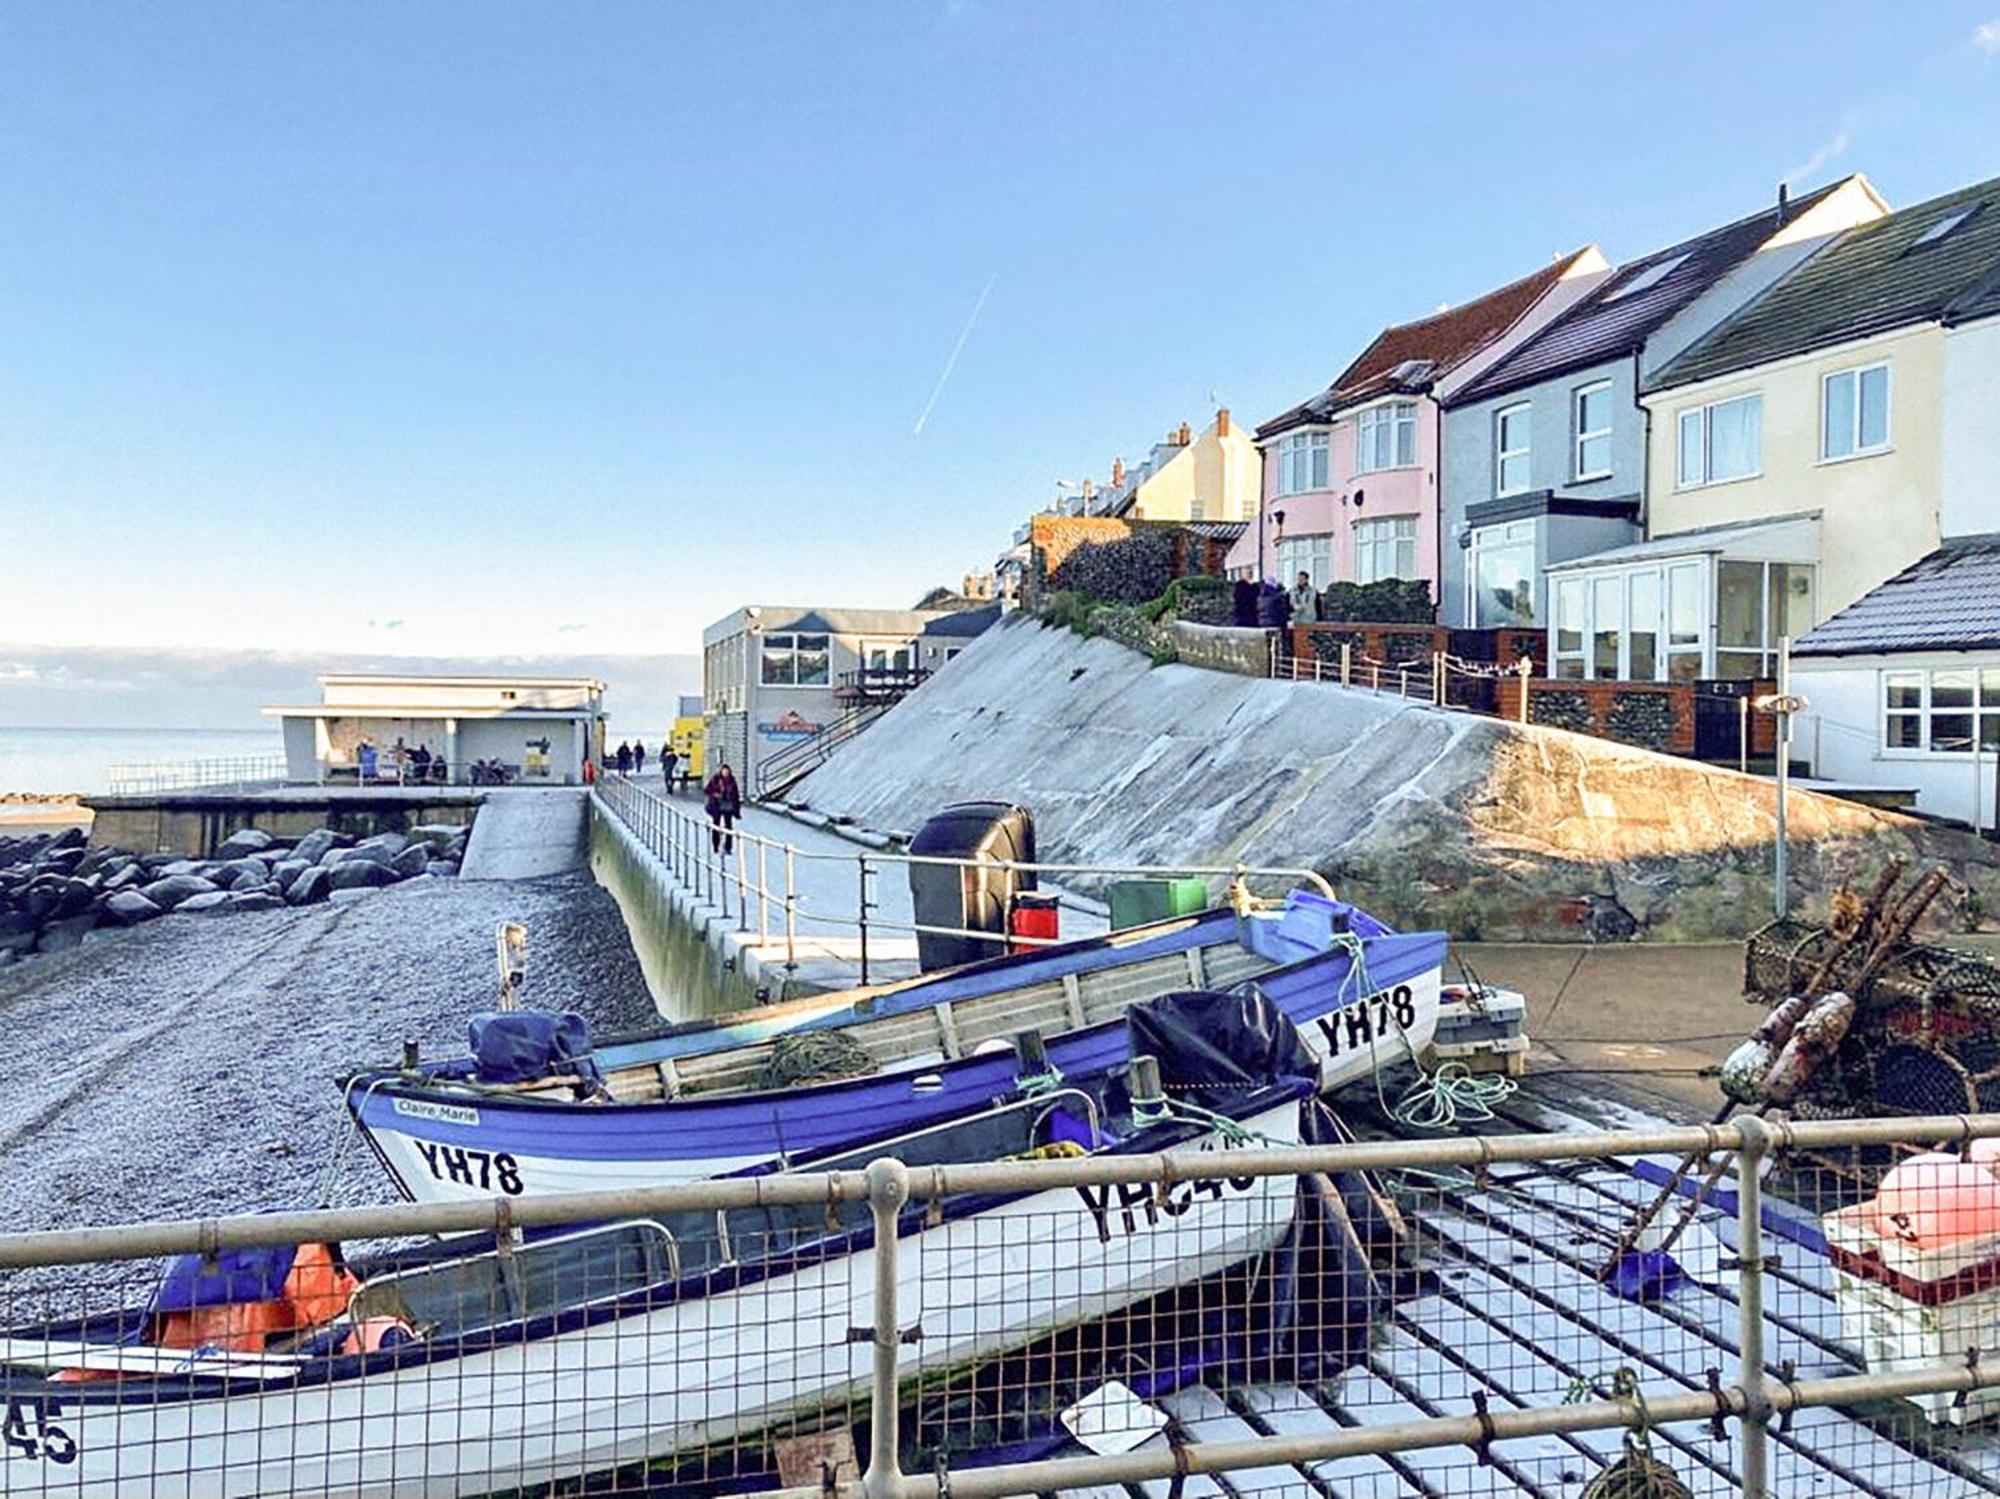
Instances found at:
x=952 y=363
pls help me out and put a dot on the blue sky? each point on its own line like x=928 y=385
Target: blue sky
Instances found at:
x=510 y=328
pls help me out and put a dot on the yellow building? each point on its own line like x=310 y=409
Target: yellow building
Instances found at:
x=690 y=739
x=1216 y=474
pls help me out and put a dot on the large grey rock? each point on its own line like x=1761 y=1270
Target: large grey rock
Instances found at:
x=243 y=842
x=130 y=907
x=244 y=871
x=60 y=936
x=124 y=877
x=411 y=860
x=170 y=893
x=314 y=845
x=185 y=866
x=310 y=887
x=74 y=896
x=209 y=904
x=444 y=869
x=255 y=900
x=287 y=870
x=390 y=844
x=357 y=874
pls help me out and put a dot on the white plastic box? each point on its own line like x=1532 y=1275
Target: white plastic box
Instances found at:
x=1483 y=1027
x=1906 y=1307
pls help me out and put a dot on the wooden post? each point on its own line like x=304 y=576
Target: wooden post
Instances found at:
x=1527 y=667
x=1347 y=663
x=1437 y=679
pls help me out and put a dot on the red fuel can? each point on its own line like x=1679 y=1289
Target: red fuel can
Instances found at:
x=1034 y=915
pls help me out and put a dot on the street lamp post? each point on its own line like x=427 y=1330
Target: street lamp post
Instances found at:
x=1784 y=705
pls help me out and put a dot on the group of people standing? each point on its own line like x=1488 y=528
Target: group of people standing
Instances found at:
x=722 y=796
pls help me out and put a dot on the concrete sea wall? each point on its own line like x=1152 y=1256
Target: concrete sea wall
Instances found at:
x=1487 y=828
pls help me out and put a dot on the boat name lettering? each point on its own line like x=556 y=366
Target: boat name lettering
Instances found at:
x=30 y=1431
x=1356 y=1025
x=484 y=1169
x=1119 y=1207
x=440 y=1113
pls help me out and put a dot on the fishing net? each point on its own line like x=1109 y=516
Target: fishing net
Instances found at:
x=816 y=1057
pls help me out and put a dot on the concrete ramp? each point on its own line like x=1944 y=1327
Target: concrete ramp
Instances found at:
x=523 y=833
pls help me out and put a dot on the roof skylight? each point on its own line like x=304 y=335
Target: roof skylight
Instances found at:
x=1946 y=226
x=1652 y=275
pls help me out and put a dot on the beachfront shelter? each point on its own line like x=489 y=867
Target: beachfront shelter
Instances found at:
x=540 y=729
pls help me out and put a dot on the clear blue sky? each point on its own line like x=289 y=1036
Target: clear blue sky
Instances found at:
x=571 y=326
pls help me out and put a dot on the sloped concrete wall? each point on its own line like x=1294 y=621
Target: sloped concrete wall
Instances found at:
x=1430 y=816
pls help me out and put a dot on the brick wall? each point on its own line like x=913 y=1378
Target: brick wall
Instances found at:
x=1393 y=645
x=1652 y=715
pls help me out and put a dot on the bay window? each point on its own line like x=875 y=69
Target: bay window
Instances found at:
x=1650 y=622
x=1721 y=441
x=1302 y=462
x=1386 y=437
x=1311 y=555
x=1511 y=450
x=1854 y=412
x=1385 y=548
x=1941 y=710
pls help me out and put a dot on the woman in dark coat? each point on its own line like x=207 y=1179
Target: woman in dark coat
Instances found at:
x=725 y=805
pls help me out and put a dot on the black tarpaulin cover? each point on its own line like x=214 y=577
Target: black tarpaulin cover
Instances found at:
x=1217 y=1049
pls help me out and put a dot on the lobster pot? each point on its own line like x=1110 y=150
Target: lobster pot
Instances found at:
x=1483 y=1027
x=1906 y=1307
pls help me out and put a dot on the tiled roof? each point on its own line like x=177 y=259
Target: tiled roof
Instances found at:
x=1407 y=358
x=1877 y=276
x=1947 y=601
x=1633 y=303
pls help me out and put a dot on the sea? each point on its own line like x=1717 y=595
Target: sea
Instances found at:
x=50 y=760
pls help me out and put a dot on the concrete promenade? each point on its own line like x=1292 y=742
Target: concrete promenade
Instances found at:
x=739 y=900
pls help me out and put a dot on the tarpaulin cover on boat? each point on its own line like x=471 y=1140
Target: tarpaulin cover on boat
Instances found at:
x=518 y=1046
x=1218 y=1048
x=253 y=1274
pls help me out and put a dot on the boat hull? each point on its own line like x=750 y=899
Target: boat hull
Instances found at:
x=659 y=1379
x=454 y=1148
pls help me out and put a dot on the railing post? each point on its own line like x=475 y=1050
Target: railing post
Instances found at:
x=1526 y=669
x=1347 y=663
x=861 y=863
x=791 y=929
x=1750 y=1304
x=888 y=1190
x=763 y=897
x=742 y=895
x=1743 y=733
x=1437 y=679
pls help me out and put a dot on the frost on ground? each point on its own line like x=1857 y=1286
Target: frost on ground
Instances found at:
x=187 y=1067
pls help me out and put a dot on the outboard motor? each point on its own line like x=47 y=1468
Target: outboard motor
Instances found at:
x=969 y=896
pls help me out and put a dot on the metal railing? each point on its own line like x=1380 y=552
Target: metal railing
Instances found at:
x=192 y=775
x=761 y=888
x=983 y=1306
x=786 y=766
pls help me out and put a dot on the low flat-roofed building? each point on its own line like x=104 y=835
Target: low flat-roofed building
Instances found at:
x=540 y=729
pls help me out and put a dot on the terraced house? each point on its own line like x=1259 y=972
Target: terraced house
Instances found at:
x=1546 y=486
x=1350 y=479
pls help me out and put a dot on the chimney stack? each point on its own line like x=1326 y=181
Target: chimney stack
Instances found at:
x=1117 y=472
x=1784 y=205
x=1183 y=437
x=1222 y=421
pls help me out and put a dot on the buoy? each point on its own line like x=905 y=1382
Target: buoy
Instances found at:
x=1935 y=1199
x=376 y=1333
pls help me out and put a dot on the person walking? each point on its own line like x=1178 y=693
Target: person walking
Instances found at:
x=623 y=759
x=1305 y=601
x=669 y=757
x=725 y=805
x=639 y=758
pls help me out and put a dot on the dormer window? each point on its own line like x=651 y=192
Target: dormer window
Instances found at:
x=1302 y=462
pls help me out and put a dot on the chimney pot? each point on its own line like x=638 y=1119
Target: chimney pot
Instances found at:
x=1183 y=437
x=1222 y=422
x=1784 y=203
x=1117 y=472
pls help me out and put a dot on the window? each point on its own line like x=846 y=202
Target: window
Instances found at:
x=1854 y=412
x=1686 y=624
x=1944 y=227
x=1510 y=449
x=1302 y=462
x=1591 y=423
x=1311 y=555
x=1721 y=441
x=1572 y=608
x=795 y=660
x=1941 y=711
x=1652 y=275
x=1385 y=548
x=889 y=657
x=1387 y=437
x=1500 y=577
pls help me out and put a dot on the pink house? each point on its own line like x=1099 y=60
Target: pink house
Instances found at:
x=1351 y=476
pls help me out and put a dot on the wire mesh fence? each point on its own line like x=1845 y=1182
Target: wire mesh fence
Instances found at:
x=1229 y=1308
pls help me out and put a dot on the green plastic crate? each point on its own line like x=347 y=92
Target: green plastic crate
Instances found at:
x=1136 y=902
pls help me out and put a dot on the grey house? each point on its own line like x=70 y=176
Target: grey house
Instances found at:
x=1545 y=453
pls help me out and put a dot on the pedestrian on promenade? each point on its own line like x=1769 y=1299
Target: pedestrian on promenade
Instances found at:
x=725 y=805
x=1305 y=601
x=365 y=756
x=668 y=759
x=639 y=758
x=623 y=759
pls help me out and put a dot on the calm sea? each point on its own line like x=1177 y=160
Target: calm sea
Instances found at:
x=81 y=759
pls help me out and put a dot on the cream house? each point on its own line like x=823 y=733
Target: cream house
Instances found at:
x=1796 y=453
x=1211 y=475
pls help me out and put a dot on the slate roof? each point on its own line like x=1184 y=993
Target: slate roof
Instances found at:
x=1428 y=348
x=1873 y=278
x=1947 y=601
x=1613 y=320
